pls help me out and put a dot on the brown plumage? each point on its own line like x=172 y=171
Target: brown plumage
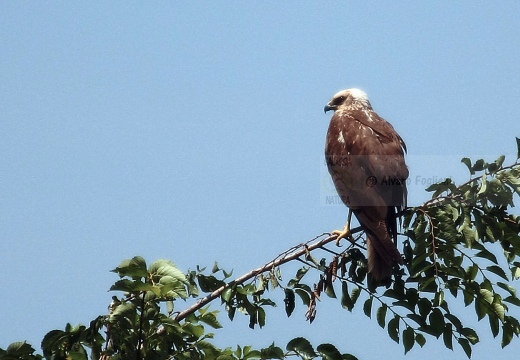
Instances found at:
x=365 y=157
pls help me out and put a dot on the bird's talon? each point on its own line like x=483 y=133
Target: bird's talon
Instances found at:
x=341 y=234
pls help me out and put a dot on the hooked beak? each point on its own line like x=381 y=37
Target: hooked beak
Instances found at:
x=329 y=107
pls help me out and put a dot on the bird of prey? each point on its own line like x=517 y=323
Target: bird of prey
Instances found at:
x=365 y=158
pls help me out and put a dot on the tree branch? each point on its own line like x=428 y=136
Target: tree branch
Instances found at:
x=290 y=255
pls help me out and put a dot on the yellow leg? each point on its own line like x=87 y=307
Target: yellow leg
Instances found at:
x=345 y=233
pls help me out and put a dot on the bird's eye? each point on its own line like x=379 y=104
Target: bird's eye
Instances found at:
x=339 y=100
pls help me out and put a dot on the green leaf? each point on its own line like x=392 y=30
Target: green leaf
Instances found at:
x=125 y=285
x=510 y=289
x=513 y=300
x=453 y=285
x=438 y=299
x=249 y=289
x=447 y=336
x=251 y=354
x=408 y=339
x=231 y=312
x=261 y=317
x=329 y=352
x=425 y=306
x=466 y=161
x=500 y=160
x=170 y=306
x=420 y=339
x=481 y=308
x=354 y=295
x=367 y=307
x=210 y=318
x=134 y=267
x=394 y=294
x=302 y=347
x=196 y=330
x=261 y=285
x=274 y=280
x=486 y=254
x=238 y=351
x=381 y=315
x=228 y=294
x=77 y=355
x=301 y=273
x=349 y=357
x=193 y=289
x=507 y=336
x=470 y=334
x=163 y=267
x=226 y=357
x=472 y=272
x=428 y=285
x=209 y=283
x=515 y=272
x=329 y=290
x=319 y=264
x=483 y=185
x=498 y=307
x=470 y=290
x=346 y=301
x=304 y=296
x=418 y=319
x=495 y=269
x=289 y=301
x=479 y=165
x=494 y=324
x=65 y=344
x=393 y=329
x=18 y=350
x=436 y=322
x=272 y=352
x=123 y=310
x=469 y=234
x=486 y=295
x=139 y=286
x=465 y=346
x=454 y=320
x=492 y=168
x=227 y=274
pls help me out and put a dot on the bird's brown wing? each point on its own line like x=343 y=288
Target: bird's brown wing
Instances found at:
x=379 y=125
x=366 y=161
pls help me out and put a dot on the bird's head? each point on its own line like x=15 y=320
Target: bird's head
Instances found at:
x=349 y=99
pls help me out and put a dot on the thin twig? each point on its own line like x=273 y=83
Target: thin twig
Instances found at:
x=289 y=256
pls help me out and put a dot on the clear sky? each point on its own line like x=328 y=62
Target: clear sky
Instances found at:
x=194 y=131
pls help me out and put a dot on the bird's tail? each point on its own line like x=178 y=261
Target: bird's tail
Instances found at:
x=382 y=251
x=382 y=255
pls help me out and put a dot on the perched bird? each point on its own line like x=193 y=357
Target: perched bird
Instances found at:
x=365 y=158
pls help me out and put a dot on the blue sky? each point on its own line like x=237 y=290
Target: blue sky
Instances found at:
x=194 y=131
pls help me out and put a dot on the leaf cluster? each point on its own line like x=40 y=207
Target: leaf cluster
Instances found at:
x=141 y=323
x=464 y=244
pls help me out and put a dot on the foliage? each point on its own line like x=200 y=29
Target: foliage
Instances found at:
x=136 y=326
x=462 y=245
